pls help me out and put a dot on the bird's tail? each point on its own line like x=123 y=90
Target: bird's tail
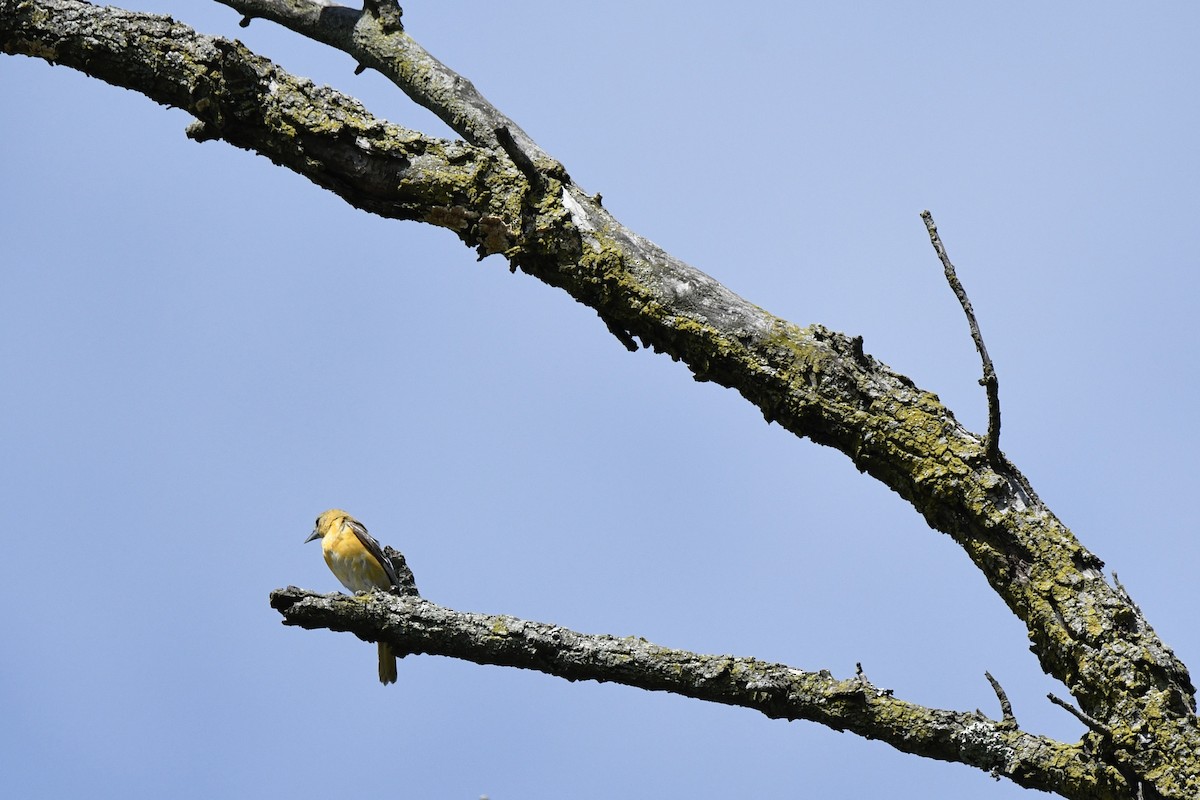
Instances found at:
x=387 y=664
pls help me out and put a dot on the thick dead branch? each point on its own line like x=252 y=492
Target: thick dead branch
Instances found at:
x=375 y=42
x=399 y=58
x=415 y=626
x=251 y=103
x=814 y=382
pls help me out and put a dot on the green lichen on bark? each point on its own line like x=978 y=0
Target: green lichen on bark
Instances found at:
x=814 y=382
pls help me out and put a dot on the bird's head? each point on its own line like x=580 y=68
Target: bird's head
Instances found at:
x=328 y=522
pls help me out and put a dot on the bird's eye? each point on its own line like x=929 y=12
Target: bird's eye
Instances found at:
x=316 y=522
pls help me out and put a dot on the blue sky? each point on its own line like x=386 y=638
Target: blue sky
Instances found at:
x=201 y=351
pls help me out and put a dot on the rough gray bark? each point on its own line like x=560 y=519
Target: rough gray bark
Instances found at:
x=776 y=690
x=502 y=195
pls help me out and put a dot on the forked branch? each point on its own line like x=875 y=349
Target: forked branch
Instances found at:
x=813 y=382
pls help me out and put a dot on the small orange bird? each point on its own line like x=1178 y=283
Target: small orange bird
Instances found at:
x=359 y=563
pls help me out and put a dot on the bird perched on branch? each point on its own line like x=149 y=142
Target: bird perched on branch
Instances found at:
x=360 y=564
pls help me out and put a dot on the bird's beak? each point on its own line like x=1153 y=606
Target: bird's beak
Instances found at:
x=311 y=536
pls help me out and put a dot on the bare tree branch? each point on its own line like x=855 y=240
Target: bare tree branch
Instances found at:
x=251 y=103
x=399 y=58
x=814 y=382
x=415 y=626
x=989 y=380
x=1005 y=706
x=1079 y=715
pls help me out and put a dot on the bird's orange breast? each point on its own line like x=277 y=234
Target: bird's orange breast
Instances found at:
x=352 y=563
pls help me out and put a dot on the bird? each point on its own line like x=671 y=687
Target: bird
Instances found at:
x=357 y=560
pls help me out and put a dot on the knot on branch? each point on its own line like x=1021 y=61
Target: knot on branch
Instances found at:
x=387 y=13
x=406 y=584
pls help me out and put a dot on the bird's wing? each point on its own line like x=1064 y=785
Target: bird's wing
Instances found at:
x=368 y=541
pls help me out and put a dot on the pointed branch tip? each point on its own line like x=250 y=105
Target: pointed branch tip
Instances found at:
x=989 y=380
x=1079 y=715
x=1005 y=706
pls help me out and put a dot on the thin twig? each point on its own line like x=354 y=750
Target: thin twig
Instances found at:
x=1005 y=706
x=1079 y=715
x=1125 y=593
x=989 y=381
